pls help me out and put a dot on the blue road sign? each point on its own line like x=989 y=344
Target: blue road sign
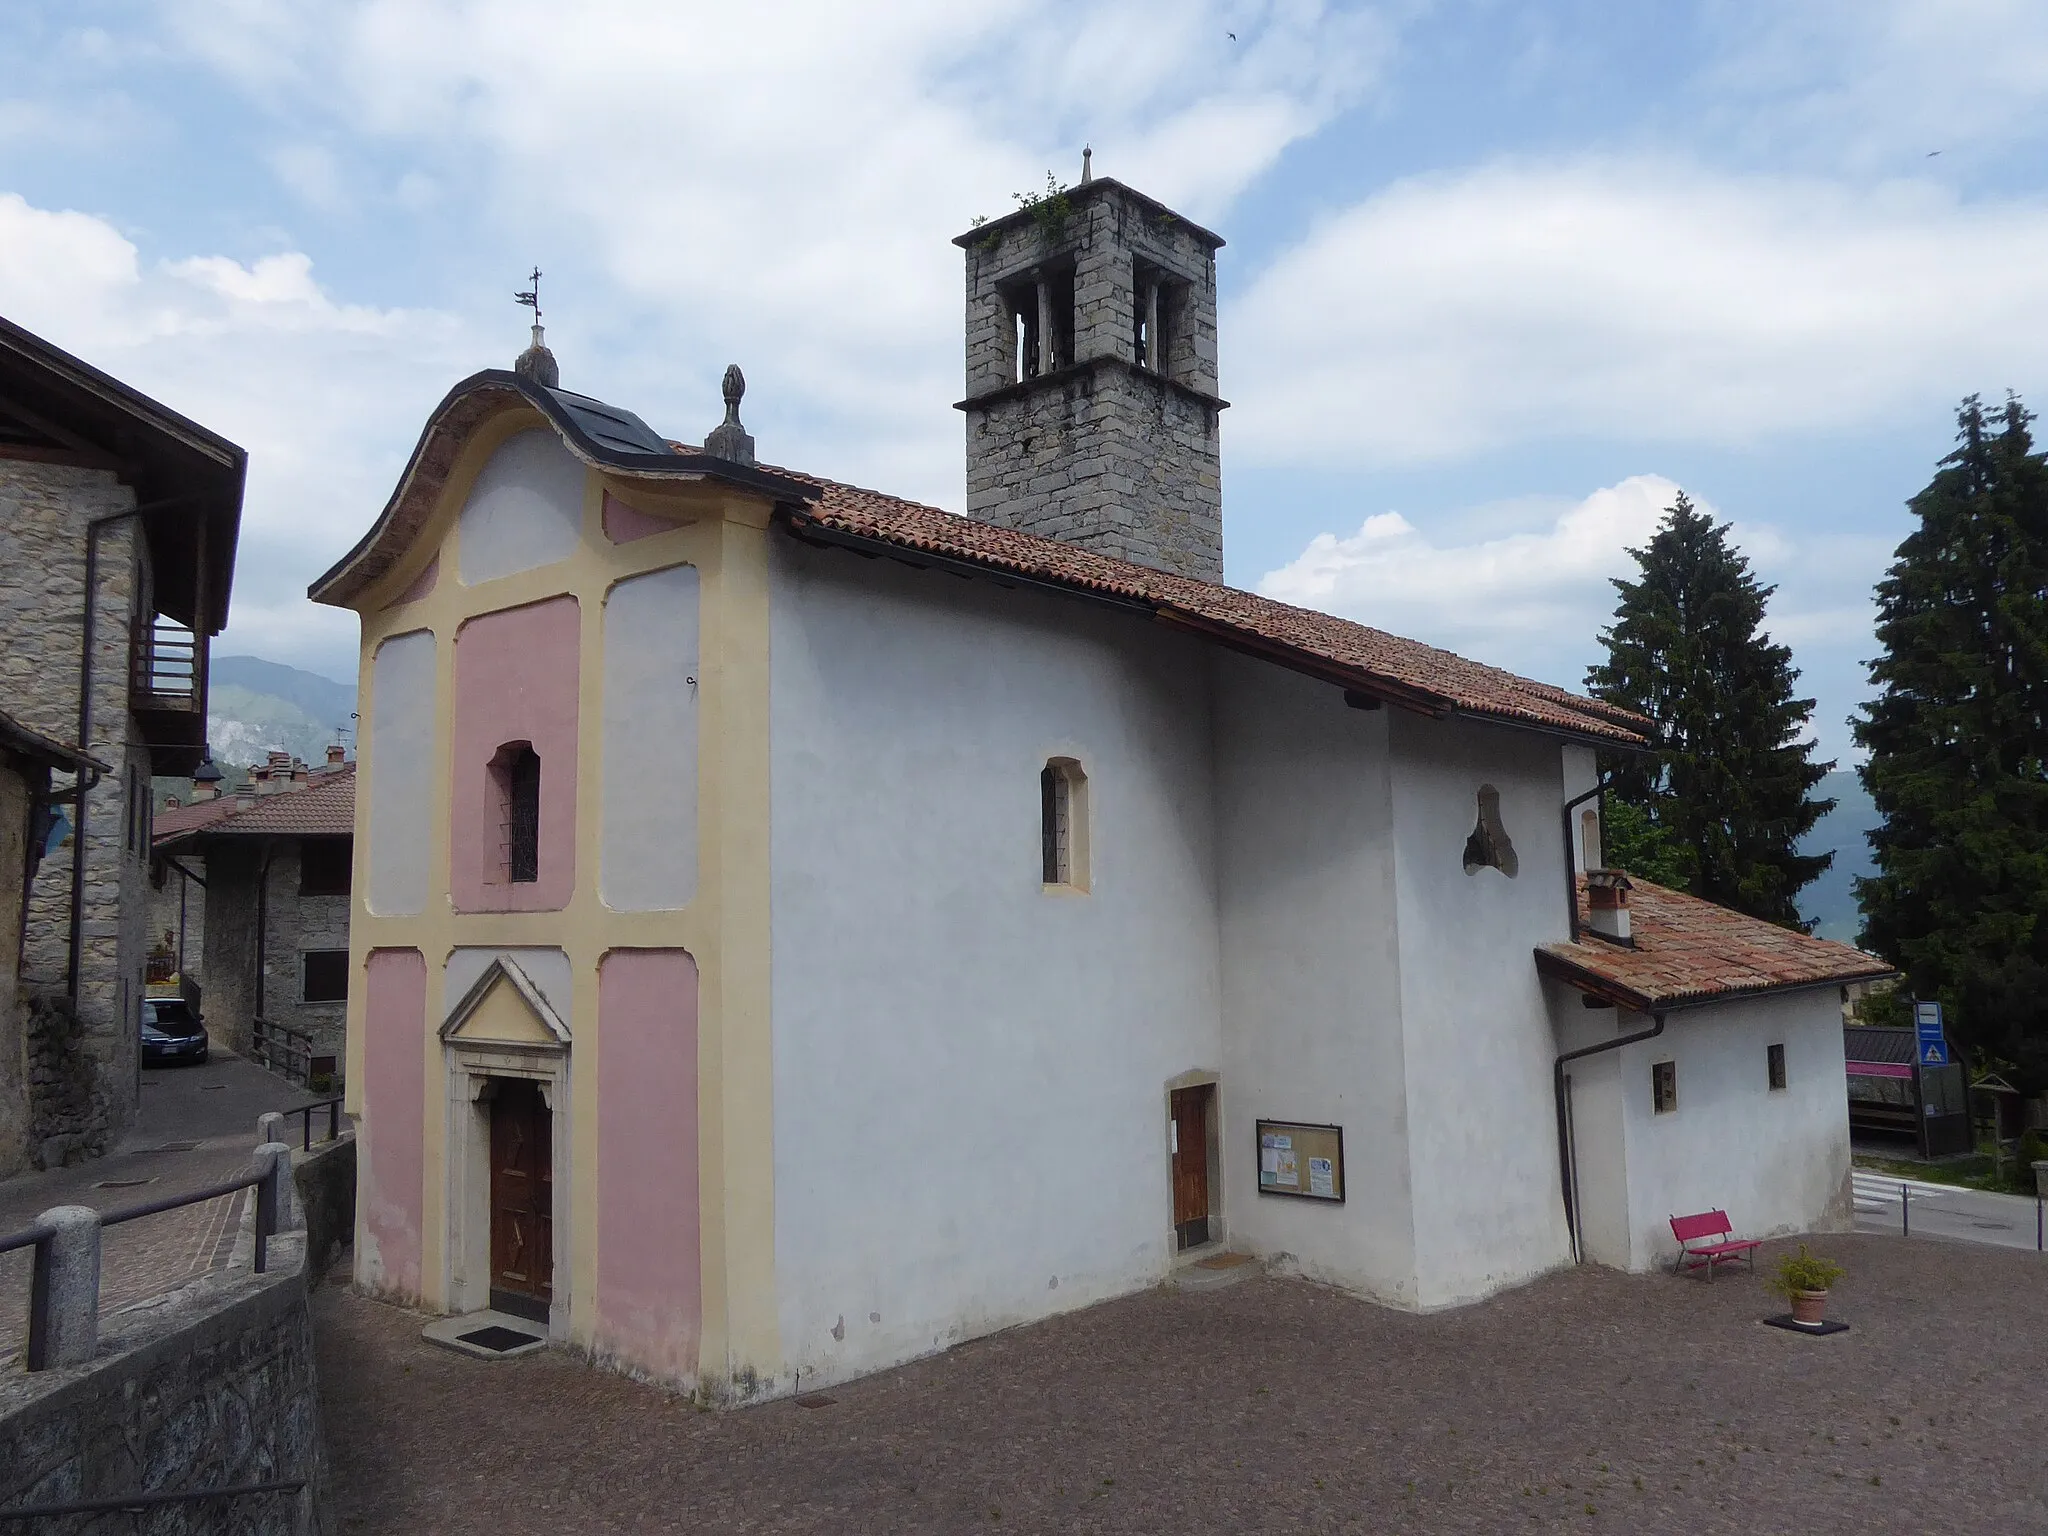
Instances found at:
x=1930 y=1042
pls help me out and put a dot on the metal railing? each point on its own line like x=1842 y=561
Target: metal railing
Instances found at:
x=169 y=665
x=63 y=1306
x=305 y=1114
x=282 y=1049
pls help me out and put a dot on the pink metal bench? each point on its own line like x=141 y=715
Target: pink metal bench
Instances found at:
x=1697 y=1248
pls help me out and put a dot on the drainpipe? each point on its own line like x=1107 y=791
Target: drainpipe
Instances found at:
x=1567 y=1156
x=1571 y=850
x=262 y=927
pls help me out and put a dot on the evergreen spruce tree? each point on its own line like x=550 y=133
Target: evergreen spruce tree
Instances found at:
x=1958 y=743
x=1726 y=790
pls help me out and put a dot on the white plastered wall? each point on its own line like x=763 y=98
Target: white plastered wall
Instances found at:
x=1478 y=1045
x=401 y=802
x=1311 y=969
x=1777 y=1161
x=525 y=510
x=970 y=1069
x=648 y=854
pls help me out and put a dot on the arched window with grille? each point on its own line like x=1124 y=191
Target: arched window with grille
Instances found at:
x=1063 y=824
x=515 y=779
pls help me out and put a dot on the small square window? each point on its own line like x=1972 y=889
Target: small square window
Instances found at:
x=1776 y=1057
x=326 y=976
x=1664 y=1086
x=324 y=866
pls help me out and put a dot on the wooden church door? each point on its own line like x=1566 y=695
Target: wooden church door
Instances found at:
x=1190 y=1110
x=522 y=1200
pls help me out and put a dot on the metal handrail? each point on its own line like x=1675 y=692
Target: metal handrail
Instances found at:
x=305 y=1114
x=140 y=1501
x=269 y=1039
x=42 y=1236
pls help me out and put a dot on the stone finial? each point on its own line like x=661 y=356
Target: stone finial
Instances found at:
x=730 y=440
x=1087 y=165
x=538 y=363
x=64 y=1321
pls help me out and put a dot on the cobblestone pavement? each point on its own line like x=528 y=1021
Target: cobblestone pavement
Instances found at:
x=1589 y=1401
x=197 y=1126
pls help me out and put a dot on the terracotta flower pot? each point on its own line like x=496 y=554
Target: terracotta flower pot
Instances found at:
x=1809 y=1307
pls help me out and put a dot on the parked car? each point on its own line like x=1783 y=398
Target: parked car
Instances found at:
x=172 y=1034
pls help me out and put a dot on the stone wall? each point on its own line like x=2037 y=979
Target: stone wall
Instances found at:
x=1100 y=448
x=293 y=924
x=68 y=1116
x=44 y=509
x=233 y=868
x=210 y=1386
x=326 y=1181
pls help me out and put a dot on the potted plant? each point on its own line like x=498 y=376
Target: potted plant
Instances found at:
x=1803 y=1280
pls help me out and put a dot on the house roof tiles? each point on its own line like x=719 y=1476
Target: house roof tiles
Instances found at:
x=1355 y=655
x=324 y=808
x=1688 y=951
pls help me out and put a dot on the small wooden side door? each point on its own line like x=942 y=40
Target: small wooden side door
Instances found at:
x=1190 y=1111
x=522 y=1200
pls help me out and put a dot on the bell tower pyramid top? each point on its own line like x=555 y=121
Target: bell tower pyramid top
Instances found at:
x=1092 y=403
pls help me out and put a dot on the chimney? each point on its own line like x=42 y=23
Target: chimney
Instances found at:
x=337 y=754
x=205 y=779
x=1607 y=905
x=301 y=774
x=171 y=802
x=247 y=791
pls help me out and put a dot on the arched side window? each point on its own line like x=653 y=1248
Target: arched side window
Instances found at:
x=1489 y=846
x=515 y=784
x=1063 y=824
x=1590 y=854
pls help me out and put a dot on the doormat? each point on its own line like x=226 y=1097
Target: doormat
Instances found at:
x=124 y=1183
x=1786 y=1321
x=1223 y=1261
x=174 y=1146
x=816 y=1400
x=498 y=1338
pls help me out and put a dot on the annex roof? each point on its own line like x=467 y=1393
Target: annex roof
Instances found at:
x=1880 y=1043
x=24 y=742
x=1353 y=656
x=324 y=808
x=1689 y=951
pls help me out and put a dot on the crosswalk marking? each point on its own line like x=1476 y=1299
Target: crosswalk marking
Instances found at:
x=1875 y=1191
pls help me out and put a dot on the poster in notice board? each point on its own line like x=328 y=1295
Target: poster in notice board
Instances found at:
x=1301 y=1159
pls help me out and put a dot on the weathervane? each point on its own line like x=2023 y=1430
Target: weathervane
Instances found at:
x=531 y=297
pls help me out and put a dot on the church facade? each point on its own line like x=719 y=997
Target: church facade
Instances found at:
x=797 y=929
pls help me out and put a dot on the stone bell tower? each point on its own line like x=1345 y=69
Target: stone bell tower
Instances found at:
x=1091 y=377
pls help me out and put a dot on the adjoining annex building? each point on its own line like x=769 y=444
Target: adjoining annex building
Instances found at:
x=796 y=929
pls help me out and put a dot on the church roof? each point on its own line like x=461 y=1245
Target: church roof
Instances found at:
x=1355 y=656
x=1689 y=951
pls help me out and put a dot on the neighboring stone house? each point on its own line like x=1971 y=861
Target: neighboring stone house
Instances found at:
x=798 y=929
x=261 y=878
x=26 y=761
x=102 y=490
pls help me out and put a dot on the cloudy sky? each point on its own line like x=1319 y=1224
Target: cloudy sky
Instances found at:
x=1501 y=277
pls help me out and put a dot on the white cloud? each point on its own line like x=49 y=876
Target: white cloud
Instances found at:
x=1652 y=302
x=1526 y=600
x=777 y=183
x=319 y=392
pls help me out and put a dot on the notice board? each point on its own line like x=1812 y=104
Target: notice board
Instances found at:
x=1296 y=1158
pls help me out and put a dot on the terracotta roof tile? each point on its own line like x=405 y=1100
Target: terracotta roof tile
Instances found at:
x=1403 y=671
x=324 y=808
x=1692 y=951
x=178 y=820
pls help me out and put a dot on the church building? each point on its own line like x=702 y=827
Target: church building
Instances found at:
x=796 y=929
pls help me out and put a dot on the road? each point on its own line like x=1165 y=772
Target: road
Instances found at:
x=196 y=1126
x=1942 y=1210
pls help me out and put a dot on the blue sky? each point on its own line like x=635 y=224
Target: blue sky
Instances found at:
x=1500 y=276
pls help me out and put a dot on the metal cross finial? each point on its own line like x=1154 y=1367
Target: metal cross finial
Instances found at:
x=531 y=297
x=1087 y=165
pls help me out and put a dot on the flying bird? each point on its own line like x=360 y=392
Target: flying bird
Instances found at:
x=1231 y=35
x=1932 y=153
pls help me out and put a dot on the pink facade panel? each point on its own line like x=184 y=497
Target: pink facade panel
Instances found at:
x=515 y=690
x=624 y=524
x=649 y=1284
x=394 y=1104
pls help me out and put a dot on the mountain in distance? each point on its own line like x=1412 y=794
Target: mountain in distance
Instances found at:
x=1830 y=902
x=255 y=707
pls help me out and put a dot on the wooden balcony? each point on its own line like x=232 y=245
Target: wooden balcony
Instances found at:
x=167 y=693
